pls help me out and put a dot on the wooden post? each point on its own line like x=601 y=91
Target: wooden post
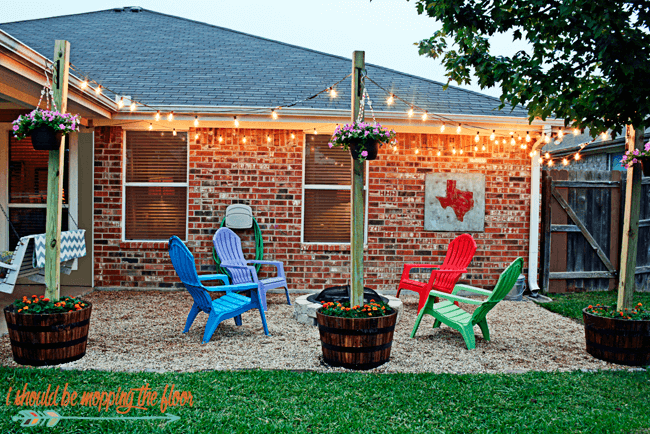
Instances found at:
x=358 y=177
x=633 y=140
x=55 y=176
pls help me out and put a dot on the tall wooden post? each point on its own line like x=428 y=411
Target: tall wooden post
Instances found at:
x=633 y=140
x=358 y=177
x=55 y=176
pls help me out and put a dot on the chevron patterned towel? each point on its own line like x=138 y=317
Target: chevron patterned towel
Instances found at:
x=73 y=245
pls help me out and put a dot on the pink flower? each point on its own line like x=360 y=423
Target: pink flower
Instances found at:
x=15 y=127
x=61 y=126
x=364 y=153
x=330 y=145
x=647 y=146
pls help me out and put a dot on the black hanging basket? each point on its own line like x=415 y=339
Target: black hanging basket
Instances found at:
x=371 y=146
x=44 y=138
x=645 y=164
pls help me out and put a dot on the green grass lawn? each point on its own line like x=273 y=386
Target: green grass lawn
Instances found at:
x=282 y=401
x=571 y=305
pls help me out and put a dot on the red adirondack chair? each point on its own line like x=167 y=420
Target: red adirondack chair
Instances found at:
x=459 y=255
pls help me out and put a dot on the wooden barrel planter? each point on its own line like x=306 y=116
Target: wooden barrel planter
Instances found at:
x=625 y=342
x=356 y=343
x=48 y=339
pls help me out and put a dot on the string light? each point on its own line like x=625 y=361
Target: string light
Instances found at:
x=512 y=141
x=150 y=127
x=575 y=131
x=244 y=139
x=132 y=106
x=315 y=132
x=268 y=138
x=196 y=136
x=174 y=132
x=120 y=103
x=492 y=136
x=483 y=148
x=442 y=128
x=439 y=153
x=476 y=138
x=532 y=154
x=411 y=112
x=236 y=122
x=475 y=148
x=424 y=116
x=461 y=151
x=158 y=115
x=565 y=162
x=395 y=148
x=417 y=151
x=560 y=134
x=458 y=129
x=170 y=116
x=390 y=99
x=293 y=136
x=547 y=156
x=220 y=138
x=541 y=161
x=98 y=89
x=547 y=138
x=577 y=156
x=527 y=137
x=333 y=93
x=274 y=114
x=196 y=121
x=503 y=141
x=604 y=135
x=550 y=162
x=453 y=151
x=84 y=84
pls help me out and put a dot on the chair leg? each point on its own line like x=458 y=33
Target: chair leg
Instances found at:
x=468 y=336
x=286 y=291
x=194 y=311
x=398 y=291
x=417 y=323
x=484 y=329
x=238 y=320
x=266 y=329
x=210 y=327
x=262 y=292
x=436 y=323
x=423 y=300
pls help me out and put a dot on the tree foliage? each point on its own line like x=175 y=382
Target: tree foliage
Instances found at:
x=589 y=61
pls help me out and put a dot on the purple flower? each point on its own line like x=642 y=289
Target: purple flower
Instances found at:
x=330 y=145
x=15 y=127
x=364 y=153
x=61 y=126
x=636 y=152
x=647 y=146
x=366 y=133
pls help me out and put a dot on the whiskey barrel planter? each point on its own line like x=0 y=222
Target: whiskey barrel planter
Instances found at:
x=625 y=342
x=48 y=339
x=356 y=343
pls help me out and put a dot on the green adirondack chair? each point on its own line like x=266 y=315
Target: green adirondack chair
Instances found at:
x=448 y=313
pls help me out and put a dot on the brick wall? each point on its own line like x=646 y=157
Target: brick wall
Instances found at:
x=267 y=176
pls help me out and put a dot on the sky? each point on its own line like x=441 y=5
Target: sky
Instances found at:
x=385 y=29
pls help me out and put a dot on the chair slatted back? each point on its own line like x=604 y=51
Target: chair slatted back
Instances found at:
x=185 y=267
x=228 y=247
x=459 y=254
x=506 y=282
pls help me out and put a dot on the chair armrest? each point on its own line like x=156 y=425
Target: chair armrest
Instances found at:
x=463 y=287
x=222 y=277
x=277 y=264
x=408 y=267
x=8 y=266
x=233 y=288
x=231 y=265
x=454 y=297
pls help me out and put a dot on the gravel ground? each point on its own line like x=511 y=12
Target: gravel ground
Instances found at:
x=142 y=331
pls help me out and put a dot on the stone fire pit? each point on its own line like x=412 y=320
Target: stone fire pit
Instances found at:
x=304 y=311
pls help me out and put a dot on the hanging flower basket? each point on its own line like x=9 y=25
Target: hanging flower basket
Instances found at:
x=45 y=128
x=361 y=139
x=645 y=164
x=638 y=156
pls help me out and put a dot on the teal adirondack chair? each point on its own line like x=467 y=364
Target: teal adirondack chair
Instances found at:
x=446 y=312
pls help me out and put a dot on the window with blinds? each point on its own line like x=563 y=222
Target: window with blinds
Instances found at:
x=155 y=186
x=326 y=192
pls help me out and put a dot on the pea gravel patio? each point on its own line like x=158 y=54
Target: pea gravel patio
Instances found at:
x=142 y=331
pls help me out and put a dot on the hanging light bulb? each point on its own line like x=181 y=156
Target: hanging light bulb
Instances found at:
x=492 y=136
x=293 y=136
x=475 y=148
x=424 y=116
x=410 y=112
x=577 y=156
x=550 y=163
x=333 y=93
x=532 y=154
x=196 y=136
x=604 y=135
x=315 y=132
x=244 y=139
x=442 y=128
x=527 y=137
x=150 y=127
x=541 y=161
x=575 y=131
x=390 y=99
x=174 y=132
x=439 y=153
x=98 y=89
x=196 y=121
x=461 y=151
x=120 y=103
x=458 y=129
x=547 y=138
x=560 y=134
x=565 y=162
x=268 y=138
x=220 y=139
x=274 y=114
x=236 y=122
x=158 y=115
x=512 y=141
x=483 y=148
x=476 y=137
x=132 y=106
x=395 y=148
x=453 y=151
x=84 y=84
x=170 y=116
x=522 y=146
x=417 y=151
x=503 y=141
x=547 y=156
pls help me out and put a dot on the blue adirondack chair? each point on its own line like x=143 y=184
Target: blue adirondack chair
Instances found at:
x=231 y=305
x=228 y=247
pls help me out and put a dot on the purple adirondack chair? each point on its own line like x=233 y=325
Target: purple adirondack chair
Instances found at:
x=228 y=247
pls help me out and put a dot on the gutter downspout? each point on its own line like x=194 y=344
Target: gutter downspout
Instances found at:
x=533 y=246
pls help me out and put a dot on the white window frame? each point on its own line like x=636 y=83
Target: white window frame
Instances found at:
x=73 y=187
x=330 y=187
x=125 y=184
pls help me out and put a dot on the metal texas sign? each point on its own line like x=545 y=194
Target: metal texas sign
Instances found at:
x=454 y=202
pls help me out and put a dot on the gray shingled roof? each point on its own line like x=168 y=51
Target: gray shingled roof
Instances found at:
x=165 y=60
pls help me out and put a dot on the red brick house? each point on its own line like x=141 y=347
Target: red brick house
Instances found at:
x=135 y=180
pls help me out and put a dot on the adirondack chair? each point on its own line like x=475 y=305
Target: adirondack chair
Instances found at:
x=459 y=255
x=447 y=313
x=228 y=247
x=231 y=305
